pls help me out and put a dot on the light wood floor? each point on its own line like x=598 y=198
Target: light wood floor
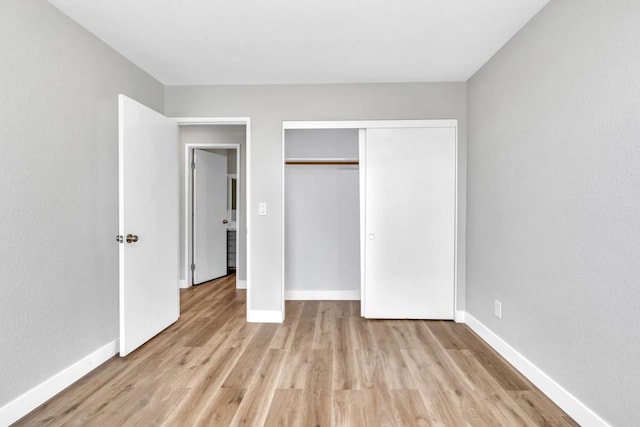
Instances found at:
x=323 y=366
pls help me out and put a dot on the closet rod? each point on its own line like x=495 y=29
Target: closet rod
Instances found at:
x=321 y=162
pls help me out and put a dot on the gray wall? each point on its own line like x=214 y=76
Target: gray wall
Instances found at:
x=554 y=199
x=222 y=134
x=322 y=212
x=322 y=143
x=58 y=191
x=268 y=106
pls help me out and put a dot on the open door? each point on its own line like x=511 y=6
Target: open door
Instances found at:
x=210 y=216
x=148 y=229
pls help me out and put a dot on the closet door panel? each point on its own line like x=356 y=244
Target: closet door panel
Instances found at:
x=409 y=223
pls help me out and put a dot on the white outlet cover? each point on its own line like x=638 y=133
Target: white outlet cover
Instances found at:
x=498 y=309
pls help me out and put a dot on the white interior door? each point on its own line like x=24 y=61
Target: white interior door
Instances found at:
x=148 y=186
x=210 y=216
x=409 y=232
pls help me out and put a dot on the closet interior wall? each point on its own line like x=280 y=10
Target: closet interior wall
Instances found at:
x=322 y=214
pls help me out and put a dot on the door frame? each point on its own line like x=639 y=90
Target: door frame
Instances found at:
x=195 y=121
x=361 y=126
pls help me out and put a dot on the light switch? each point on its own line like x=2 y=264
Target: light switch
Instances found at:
x=262 y=208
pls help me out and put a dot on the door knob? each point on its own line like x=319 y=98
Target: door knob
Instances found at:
x=371 y=236
x=132 y=238
x=224 y=221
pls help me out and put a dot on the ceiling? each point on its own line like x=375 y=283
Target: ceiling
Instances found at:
x=201 y=42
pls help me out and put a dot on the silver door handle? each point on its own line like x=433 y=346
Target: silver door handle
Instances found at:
x=224 y=221
x=132 y=238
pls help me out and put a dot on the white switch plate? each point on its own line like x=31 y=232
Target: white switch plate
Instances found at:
x=498 y=309
x=262 y=208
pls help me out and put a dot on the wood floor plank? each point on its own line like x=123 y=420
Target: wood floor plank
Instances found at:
x=349 y=408
x=284 y=335
x=346 y=375
x=317 y=396
x=449 y=397
x=223 y=407
x=245 y=367
x=361 y=333
x=286 y=408
x=453 y=337
x=204 y=387
x=324 y=326
x=397 y=375
x=238 y=332
x=540 y=409
x=253 y=410
x=494 y=398
x=410 y=408
x=370 y=364
x=296 y=369
x=402 y=334
x=340 y=309
x=354 y=307
x=323 y=366
x=379 y=407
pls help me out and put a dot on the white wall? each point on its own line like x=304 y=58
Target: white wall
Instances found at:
x=58 y=191
x=269 y=105
x=322 y=215
x=223 y=134
x=554 y=199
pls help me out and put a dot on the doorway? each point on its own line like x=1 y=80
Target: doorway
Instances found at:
x=225 y=141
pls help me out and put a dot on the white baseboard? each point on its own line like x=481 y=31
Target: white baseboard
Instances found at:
x=184 y=284
x=458 y=316
x=322 y=295
x=27 y=402
x=241 y=284
x=265 y=316
x=582 y=414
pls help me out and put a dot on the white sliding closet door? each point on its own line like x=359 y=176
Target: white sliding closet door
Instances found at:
x=409 y=179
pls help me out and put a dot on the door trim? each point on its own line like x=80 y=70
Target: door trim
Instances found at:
x=189 y=121
x=373 y=124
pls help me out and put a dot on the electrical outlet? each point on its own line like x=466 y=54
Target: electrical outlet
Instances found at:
x=498 y=309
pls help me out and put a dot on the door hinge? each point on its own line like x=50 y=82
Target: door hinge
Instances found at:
x=193 y=267
x=193 y=165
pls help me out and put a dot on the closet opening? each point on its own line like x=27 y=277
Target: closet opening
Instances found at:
x=322 y=214
x=370 y=214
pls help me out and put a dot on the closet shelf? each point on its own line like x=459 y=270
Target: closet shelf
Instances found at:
x=319 y=161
